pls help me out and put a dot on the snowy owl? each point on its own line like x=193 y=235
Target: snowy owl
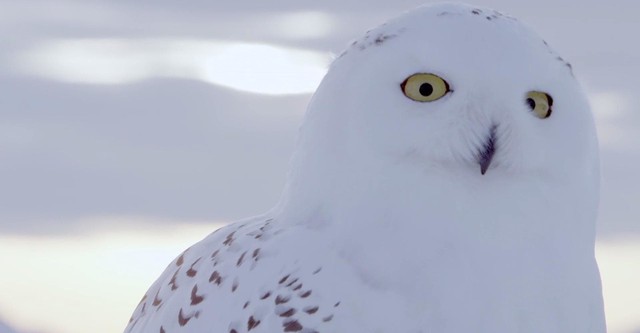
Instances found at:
x=445 y=180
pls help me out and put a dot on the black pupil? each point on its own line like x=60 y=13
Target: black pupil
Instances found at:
x=426 y=89
x=531 y=103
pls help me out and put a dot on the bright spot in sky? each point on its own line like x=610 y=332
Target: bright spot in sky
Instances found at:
x=266 y=69
x=87 y=282
x=92 y=281
x=620 y=270
x=251 y=67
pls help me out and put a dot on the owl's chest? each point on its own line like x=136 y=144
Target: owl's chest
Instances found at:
x=459 y=280
x=475 y=302
x=511 y=289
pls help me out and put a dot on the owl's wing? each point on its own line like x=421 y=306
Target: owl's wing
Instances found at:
x=241 y=278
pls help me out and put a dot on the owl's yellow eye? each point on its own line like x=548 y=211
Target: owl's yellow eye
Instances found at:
x=540 y=103
x=424 y=87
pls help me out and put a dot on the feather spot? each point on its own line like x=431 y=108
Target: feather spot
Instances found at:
x=283 y=279
x=292 y=282
x=292 y=326
x=311 y=309
x=172 y=282
x=195 y=298
x=182 y=320
x=282 y=299
x=215 y=278
x=180 y=260
x=266 y=295
x=239 y=262
x=290 y=312
x=251 y=323
x=157 y=301
x=192 y=272
x=229 y=239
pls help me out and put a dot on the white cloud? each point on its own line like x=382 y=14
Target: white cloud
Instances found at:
x=251 y=67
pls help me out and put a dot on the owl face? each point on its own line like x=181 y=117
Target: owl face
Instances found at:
x=462 y=89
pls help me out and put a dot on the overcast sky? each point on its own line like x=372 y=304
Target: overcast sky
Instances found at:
x=106 y=110
x=187 y=149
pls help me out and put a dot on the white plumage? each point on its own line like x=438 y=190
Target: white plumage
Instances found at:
x=411 y=211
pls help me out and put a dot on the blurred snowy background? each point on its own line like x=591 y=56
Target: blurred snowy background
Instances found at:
x=129 y=130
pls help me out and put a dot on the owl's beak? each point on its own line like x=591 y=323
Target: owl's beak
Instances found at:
x=486 y=154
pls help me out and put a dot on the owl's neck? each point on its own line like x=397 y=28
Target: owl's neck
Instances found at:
x=400 y=210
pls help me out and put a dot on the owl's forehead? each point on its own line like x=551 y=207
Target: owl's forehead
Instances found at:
x=460 y=34
x=450 y=26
